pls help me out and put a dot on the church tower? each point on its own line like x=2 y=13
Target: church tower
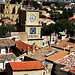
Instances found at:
x=30 y=18
x=7 y=7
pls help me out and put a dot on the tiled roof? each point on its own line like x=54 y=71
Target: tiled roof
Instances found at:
x=40 y=54
x=64 y=45
x=71 y=18
x=28 y=65
x=21 y=45
x=73 y=71
x=41 y=10
x=7 y=57
x=57 y=56
x=6 y=42
x=69 y=5
x=68 y=61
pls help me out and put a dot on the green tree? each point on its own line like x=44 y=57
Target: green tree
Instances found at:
x=6 y=28
x=14 y=1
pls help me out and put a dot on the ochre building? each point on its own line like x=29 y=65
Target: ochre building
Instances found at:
x=8 y=10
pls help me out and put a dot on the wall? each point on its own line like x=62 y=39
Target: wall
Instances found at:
x=39 y=42
x=36 y=14
x=23 y=36
x=38 y=32
x=35 y=72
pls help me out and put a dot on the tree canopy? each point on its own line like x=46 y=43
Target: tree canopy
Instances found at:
x=6 y=28
x=60 y=25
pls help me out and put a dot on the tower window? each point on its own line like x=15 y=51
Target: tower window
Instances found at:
x=7 y=7
x=7 y=1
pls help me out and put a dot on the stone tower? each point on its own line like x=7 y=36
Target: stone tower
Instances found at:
x=7 y=7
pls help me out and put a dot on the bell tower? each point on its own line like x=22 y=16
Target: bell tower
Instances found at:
x=7 y=7
x=30 y=18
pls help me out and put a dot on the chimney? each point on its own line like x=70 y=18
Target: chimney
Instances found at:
x=71 y=49
x=56 y=42
x=28 y=49
x=68 y=35
x=49 y=45
x=33 y=48
x=65 y=30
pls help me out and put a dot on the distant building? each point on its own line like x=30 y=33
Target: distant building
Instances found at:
x=8 y=10
x=6 y=46
x=72 y=72
x=69 y=6
x=64 y=65
x=62 y=35
x=55 y=0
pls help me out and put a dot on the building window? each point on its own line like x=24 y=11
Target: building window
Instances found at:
x=7 y=7
x=7 y=1
x=5 y=12
x=43 y=73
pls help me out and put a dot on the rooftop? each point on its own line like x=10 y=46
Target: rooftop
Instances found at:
x=69 y=5
x=28 y=65
x=40 y=54
x=73 y=38
x=64 y=44
x=71 y=18
x=73 y=71
x=21 y=45
x=68 y=61
x=7 y=57
x=62 y=33
x=57 y=56
x=6 y=42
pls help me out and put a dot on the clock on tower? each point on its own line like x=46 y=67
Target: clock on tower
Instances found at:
x=30 y=18
x=32 y=24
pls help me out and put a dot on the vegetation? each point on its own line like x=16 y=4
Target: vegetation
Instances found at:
x=6 y=28
x=61 y=25
x=42 y=16
x=36 y=5
x=14 y=1
x=65 y=15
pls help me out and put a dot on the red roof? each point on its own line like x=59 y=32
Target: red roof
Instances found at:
x=21 y=45
x=73 y=71
x=69 y=5
x=26 y=65
x=71 y=18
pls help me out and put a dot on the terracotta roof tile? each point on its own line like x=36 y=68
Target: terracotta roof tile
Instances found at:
x=64 y=45
x=68 y=62
x=73 y=71
x=28 y=65
x=21 y=45
x=57 y=56
x=71 y=18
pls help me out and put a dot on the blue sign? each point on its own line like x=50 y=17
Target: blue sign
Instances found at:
x=32 y=30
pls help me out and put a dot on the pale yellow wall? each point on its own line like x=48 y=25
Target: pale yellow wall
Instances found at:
x=28 y=14
x=43 y=12
x=39 y=72
x=38 y=32
x=8 y=11
x=16 y=8
x=39 y=43
x=23 y=36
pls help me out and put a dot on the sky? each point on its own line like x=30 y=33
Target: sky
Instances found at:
x=3 y=0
